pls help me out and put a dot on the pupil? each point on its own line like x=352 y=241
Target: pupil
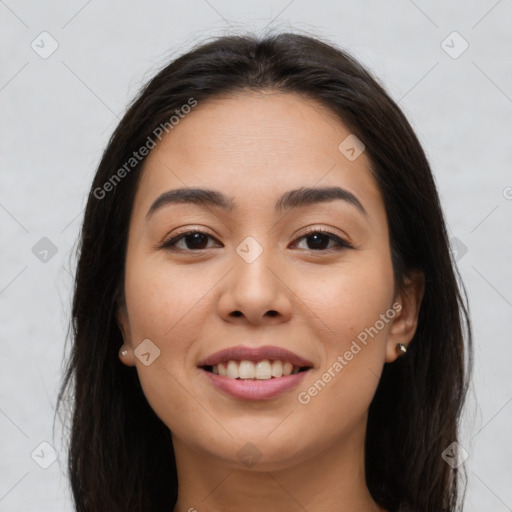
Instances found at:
x=197 y=238
x=318 y=238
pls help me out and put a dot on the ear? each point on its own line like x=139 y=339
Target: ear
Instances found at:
x=407 y=304
x=124 y=326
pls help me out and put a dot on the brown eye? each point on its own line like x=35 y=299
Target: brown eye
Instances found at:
x=193 y=240
x=319 y=239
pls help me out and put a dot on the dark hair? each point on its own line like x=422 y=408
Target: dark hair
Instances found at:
x=120 y=453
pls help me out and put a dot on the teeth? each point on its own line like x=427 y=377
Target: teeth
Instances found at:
x=246 y=370
x=277 y=369
x=222 y=369
x=232 y=371
x=261 y=370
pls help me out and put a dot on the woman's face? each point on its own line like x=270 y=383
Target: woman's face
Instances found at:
x=259 y=279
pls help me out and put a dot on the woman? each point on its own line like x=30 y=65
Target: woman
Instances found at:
x=266 y=312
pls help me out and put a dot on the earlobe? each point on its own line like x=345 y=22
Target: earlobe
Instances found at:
x=123 y=355
x=405 y=323
x=125 y=351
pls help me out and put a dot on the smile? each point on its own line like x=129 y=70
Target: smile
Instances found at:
x=255 y=373
x=260 y=370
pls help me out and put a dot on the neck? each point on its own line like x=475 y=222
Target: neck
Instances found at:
x=333 y=479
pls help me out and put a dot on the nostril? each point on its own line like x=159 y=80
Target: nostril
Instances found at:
x=272 y=313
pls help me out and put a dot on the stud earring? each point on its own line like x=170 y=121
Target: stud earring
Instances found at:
x=401 y=348
x=123 y=352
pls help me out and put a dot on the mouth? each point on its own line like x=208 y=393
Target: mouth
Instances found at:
x=261 y=363
x=255 y=373
x=255 y=370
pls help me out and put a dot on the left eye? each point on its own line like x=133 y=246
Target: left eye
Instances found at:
x=320 y=238
x=198 y=240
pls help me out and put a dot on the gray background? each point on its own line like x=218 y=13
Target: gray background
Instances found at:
x=58 y=112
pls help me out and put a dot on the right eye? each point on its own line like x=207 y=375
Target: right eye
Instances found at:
x=195 y=240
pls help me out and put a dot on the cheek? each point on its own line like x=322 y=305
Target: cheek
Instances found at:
x=351 y=300
x=353 y=305
x=163 y=304
x=161 y=298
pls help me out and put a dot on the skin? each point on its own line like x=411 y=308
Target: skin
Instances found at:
x=254 y=147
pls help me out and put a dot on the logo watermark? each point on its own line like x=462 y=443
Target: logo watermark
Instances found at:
x=143 y=151
x=304 y=397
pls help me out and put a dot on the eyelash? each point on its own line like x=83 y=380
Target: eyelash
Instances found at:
x=342 y=244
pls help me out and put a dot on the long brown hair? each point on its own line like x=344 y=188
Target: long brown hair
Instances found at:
x=120 y=453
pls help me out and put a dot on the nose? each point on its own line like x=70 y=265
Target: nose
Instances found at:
x=256 y=292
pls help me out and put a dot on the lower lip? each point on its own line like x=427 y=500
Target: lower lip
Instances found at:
x=255 y=389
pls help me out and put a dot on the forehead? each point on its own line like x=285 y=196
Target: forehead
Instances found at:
x=254 y=146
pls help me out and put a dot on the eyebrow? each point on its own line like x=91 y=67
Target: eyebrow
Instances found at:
x=303 y=196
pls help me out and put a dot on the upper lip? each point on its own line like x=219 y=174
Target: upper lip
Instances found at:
x=244 y=353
